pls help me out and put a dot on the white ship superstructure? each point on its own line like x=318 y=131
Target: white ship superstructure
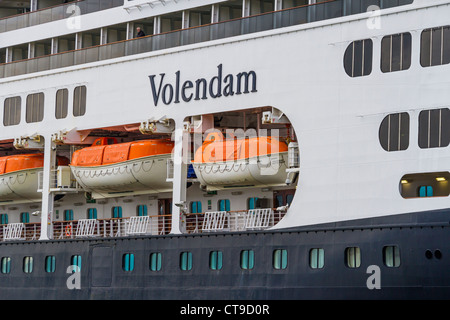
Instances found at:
x=282 y=115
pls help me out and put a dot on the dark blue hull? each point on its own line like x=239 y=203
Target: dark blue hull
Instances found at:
x=419 y=269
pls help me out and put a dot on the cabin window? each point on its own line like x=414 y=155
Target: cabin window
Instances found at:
x=25 y=217
x=6 y=265
x=229 y=10
x=11 y=111
x=155 y=261
x=62 y=103
x=199 y=16
x=75 y=262
x=35 y=107
x=396 y=52
x=92 y=213
x=247 y=259
x=423 y=185
x=4 y=218
x=79 y=101
x=394 y=132
x=68 y=215
x=391 y=256
x=316 y=258
x=142 y=210
x=353 y=257
x=224 y=205
x=435 y=46
x=196 y=207
x=280 y=259
x=128 y=262
x=358 y=58
x=434 y=128
x=116 y=212
x=251 y=203
x=50 y=264
x=28 y=264
x=186 y=261
x=215 y=260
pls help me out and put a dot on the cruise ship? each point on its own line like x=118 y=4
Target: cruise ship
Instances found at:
x=224 y=149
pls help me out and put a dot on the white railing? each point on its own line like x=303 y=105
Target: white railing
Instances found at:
x=258 y=219
x=87 y=228
x=13 y=231
x=215 y=221
x=138 y=225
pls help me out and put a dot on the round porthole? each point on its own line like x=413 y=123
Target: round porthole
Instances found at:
x=428 y=254
x=437 y=254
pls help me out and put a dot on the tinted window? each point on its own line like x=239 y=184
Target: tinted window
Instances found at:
x=358 y=58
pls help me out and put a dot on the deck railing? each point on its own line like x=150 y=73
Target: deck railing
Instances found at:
x=55 y=13
x=221 y=30
x=207 y=222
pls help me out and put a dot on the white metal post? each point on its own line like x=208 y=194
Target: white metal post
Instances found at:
x=179 y=178
x=47 y=196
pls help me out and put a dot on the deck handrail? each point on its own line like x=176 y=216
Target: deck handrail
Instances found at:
x=52 y=13
x=175 y=38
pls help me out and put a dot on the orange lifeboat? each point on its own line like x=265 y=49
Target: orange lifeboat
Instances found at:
x=19 y=176
x=108 y=168
x=225 y=163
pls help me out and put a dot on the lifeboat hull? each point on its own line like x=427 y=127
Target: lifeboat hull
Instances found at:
x=138 y=176
x=20 y=186
x=261 y=171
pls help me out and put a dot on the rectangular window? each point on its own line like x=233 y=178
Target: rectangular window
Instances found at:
x=186 y=261
x=11 y=111
x=35 y=107
x=128 y=262
x=117 y=212
x=353 y=257
x=434 y=128
x=50 y=264
x=155 y=261
x=6 y=265
x=425 y=191
x=224 y=205
x=196 y=207
x=396 y=52
x=391 y=256
x=316 y=258
x=92 y=213
x=28 y=264
x=79 y=101
x=280 y=259
x=247 y=259
x=251 y=203
x=75 y=261
x=62 y=103
x=25 y=217
x=435 y=46
x=142 y=210
x=68 y=215
x=4 y=218
x=215 y=260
